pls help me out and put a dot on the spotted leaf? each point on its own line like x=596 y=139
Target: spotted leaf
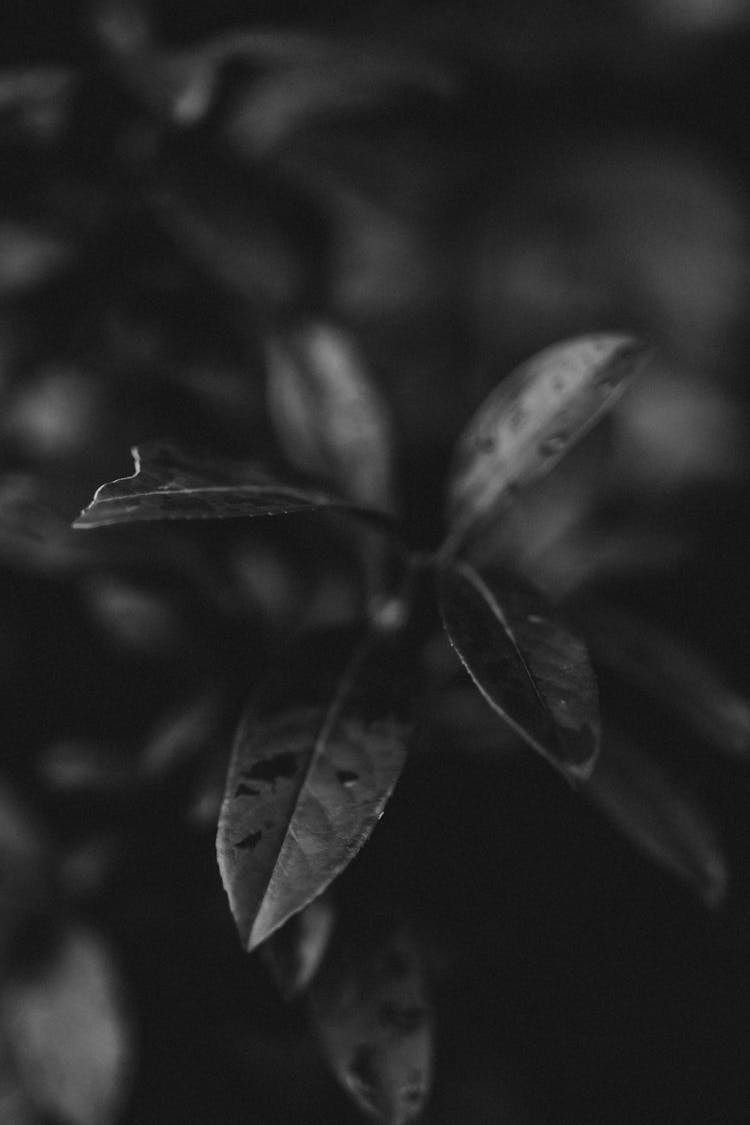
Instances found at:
x=531 y=420
x=316 y=757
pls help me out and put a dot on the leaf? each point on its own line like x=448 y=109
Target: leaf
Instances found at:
x=654 y=812
x=531 y=670
x=328 y=415
x=15 y=1105
x=294 y=952
x=315 y=760
x=24 y=875
x=30 y=256
x=79 y=766
x=33 y=535
x=35 y=101
x=67 y=1031
x=133 y=617
x=370 y=1007
x=673 y=674
x=168 y=484
x=87 y=865
x=257 y=240
x=531 y=420
x=122 y=26
x=183 y=734
x=350 y=78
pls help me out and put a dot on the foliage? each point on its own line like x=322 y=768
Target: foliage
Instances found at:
x=409 y=522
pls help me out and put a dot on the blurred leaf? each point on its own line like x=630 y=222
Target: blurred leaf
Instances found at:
x=190 y=730
x=85 y=867
x=677 y=427
x=316 y=758
x=531 y=670
x=183 y=84
x=79 y=766
x=35 y=101
x=33 y=534
x=204 y=804
x=328 y=415
x=597 y=555
x=266 y=581
x=664 y=822
x=350 y=78
x=694 y=17
x=248 y=235
x=134 y=617
x=294 y=952
x=673 y=674
x=23 y=865
x=68 y=1034
x=531 y=420
x=168 y=484
x=369 y=1005
x=54 y=414
x=30 y=256
x=293 y=78
x=15 y=1105
x=560 y=533
x=122 y=25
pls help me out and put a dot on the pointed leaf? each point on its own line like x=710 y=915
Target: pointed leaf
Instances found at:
x=68 y=1033
x=370 y=1007
x=328 y=416
x=168 y=484
x=315 y=760
x=527 y=665
x=532 y=419
x=664 y=822
x=673 y=674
